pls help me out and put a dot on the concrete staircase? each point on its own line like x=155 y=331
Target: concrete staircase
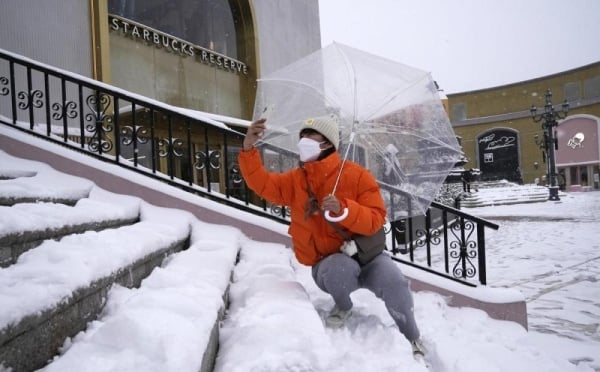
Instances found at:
x=50 y=236
x=485 y=194
x=35 y=220
x=62 y=249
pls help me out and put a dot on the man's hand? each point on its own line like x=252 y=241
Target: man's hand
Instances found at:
x=254 y=133
x=332 y=204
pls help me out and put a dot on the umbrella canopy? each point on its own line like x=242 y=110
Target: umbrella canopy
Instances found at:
x=391 y=119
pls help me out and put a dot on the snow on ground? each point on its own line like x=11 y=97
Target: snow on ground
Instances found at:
x=461 y=340
x=549 y=251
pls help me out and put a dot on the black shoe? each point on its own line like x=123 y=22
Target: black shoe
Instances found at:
x=337 y=317
x=418 y=348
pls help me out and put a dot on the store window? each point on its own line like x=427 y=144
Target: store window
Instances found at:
x=591 y=87
x=459 y=112
x=574 y=176
x=583 y=176
x=573 y=91
x=208 y=23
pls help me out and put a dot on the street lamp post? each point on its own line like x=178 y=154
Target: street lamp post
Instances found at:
x=549 y=121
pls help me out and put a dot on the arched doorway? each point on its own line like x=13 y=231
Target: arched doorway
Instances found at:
x=498 y=155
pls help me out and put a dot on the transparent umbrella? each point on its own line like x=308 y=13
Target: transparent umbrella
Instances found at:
x=391 y=119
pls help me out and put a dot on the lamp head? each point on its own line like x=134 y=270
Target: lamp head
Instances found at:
x=533 y=110
x=565 y=106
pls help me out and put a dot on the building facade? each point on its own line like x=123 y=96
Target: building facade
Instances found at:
x=201 y=55
x=500 y=138
x=207 y=55
x=204 y=56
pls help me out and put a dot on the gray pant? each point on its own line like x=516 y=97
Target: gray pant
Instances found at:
x=339 y=275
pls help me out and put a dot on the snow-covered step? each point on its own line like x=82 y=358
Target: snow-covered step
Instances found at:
x=52 y=291
x=31 y=181
x=24 y=226
x=504 y=193
x=277 y=308
x=266 y=301
x=170 y=323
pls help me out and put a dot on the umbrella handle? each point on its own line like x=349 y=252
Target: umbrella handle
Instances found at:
x=328 y=216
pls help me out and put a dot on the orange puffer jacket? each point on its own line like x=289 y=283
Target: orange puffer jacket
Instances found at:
x=313 y=237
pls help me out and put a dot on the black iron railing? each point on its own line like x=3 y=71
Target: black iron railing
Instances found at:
x=188 y=150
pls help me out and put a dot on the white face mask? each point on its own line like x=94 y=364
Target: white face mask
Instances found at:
x=309 y=149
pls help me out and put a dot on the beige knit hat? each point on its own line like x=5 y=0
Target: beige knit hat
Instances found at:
x=326 y=125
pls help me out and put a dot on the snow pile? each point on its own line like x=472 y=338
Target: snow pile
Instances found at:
x=270 y=308
x=165 y=324
x=50 y=273
x=38 y=180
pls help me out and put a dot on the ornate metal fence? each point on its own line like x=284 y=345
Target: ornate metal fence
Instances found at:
x=189 y=150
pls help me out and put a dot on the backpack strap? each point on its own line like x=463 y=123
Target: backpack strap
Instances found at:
x=312 y=205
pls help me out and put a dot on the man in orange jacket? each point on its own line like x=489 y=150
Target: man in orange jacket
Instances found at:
x=316 y=243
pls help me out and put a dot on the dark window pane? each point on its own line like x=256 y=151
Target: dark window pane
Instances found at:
x=208 y=23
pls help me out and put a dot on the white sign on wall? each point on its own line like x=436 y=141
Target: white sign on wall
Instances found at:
x=576 y=141
x=170 y=43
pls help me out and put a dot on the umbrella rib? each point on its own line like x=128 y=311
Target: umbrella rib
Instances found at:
x=351 y=72
x=418 y=135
